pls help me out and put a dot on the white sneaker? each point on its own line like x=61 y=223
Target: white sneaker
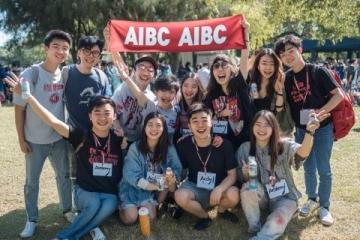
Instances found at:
x=325 y=217
x=308 y=207
x=69 y=216
x=28 y=230
x=97 y=234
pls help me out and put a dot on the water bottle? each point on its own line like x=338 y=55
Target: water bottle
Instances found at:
x=253 y=173
x=25 y=89
x=254 y=91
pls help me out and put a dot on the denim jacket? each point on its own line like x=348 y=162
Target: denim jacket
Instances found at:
x=282 y=169
x=135 y=168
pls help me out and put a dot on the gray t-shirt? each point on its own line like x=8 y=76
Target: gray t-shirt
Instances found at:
x=129 y=112
x=282 y=169
x=48 y=90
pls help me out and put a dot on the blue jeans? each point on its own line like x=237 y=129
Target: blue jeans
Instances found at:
x=318 y=162
x=94 y=208
x=34 y=164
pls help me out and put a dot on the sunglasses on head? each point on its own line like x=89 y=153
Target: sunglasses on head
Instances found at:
x=221 y=64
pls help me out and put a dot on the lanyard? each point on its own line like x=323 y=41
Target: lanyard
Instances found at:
x=198 y=154
x=307 y=87
x=106 y=147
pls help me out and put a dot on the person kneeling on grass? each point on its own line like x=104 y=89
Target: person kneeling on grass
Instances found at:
x=274 y=187
x=146 y=181
x=99 y=163
x=212 y=171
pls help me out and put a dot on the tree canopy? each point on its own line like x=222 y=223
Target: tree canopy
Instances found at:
x=28 y=21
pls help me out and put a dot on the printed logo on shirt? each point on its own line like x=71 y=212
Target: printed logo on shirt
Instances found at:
x=298 y=95
x=54 y=98
x=86 y=95
x=95 y=156
x=53 y=87
x=131 y=106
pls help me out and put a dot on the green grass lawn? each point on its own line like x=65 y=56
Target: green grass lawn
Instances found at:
x=345 y=201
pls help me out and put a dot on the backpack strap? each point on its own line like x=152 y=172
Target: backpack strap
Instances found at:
x=101 y=80
x=65 y=75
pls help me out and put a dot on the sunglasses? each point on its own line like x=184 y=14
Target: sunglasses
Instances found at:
x=221 y=64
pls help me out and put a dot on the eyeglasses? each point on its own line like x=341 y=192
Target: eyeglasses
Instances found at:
x=94 y=53
x=143 y=68
x=221 y=64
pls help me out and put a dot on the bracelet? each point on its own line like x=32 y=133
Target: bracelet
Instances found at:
x=280 y=106
x=279 y=94
x=311 y=133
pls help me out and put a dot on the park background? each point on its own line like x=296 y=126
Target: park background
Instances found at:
x=23 y=24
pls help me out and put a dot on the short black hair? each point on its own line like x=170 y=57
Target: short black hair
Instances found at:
x=291 y=39
x=99 y=101
x=197 y=108
x=89 y=42
x=166 y=83
x=57 y=34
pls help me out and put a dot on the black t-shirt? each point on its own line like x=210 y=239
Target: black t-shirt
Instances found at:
x=263 y=103
x=221 y=159
x=321 y=83
x=101 y=152
x=242 y=107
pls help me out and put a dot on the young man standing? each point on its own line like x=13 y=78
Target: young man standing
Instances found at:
x=212 y=171
x=311 y=88
x=84 y=81
x=37 y=140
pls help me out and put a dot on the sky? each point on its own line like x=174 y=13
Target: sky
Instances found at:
x=3 y=38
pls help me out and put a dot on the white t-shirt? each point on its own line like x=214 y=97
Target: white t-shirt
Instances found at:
x=48 y=90
x=129 y=112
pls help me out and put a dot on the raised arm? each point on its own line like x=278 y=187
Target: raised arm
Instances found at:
x=124 y=72
x=46 y=116
x=244 y=59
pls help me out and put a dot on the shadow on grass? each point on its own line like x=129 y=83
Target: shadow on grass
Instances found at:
x=297 y=225
x=50 y=222
x=356 y=129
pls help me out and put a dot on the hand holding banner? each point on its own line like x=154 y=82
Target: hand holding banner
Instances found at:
x=190 y=36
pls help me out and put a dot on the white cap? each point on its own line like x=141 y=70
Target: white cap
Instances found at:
x=143 y=211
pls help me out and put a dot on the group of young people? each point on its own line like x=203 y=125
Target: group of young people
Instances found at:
x=131 y=150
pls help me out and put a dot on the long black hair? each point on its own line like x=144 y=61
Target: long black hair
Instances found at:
x=161 y=149
x=255 y=74
x=276 y=146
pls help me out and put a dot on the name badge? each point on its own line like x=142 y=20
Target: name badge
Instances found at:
x=305 y=116
x=102 y=169
x=220 y=127
x=206 y=180
x=279 y=189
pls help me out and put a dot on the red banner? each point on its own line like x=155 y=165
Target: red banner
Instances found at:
x=190 y=36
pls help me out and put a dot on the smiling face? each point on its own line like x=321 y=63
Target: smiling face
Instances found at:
x=291 y=56
x=262 y=130
x=165 y=98
x=144 y=73
x=200 y=125
x=102 y=117
x=153 y=129
x=189 y=89
x=266 y=66
x=89 y=57
x=222 y=72
x=57 y=51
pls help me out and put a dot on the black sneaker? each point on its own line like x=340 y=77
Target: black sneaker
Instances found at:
x=202 y=224
x=229 y=216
